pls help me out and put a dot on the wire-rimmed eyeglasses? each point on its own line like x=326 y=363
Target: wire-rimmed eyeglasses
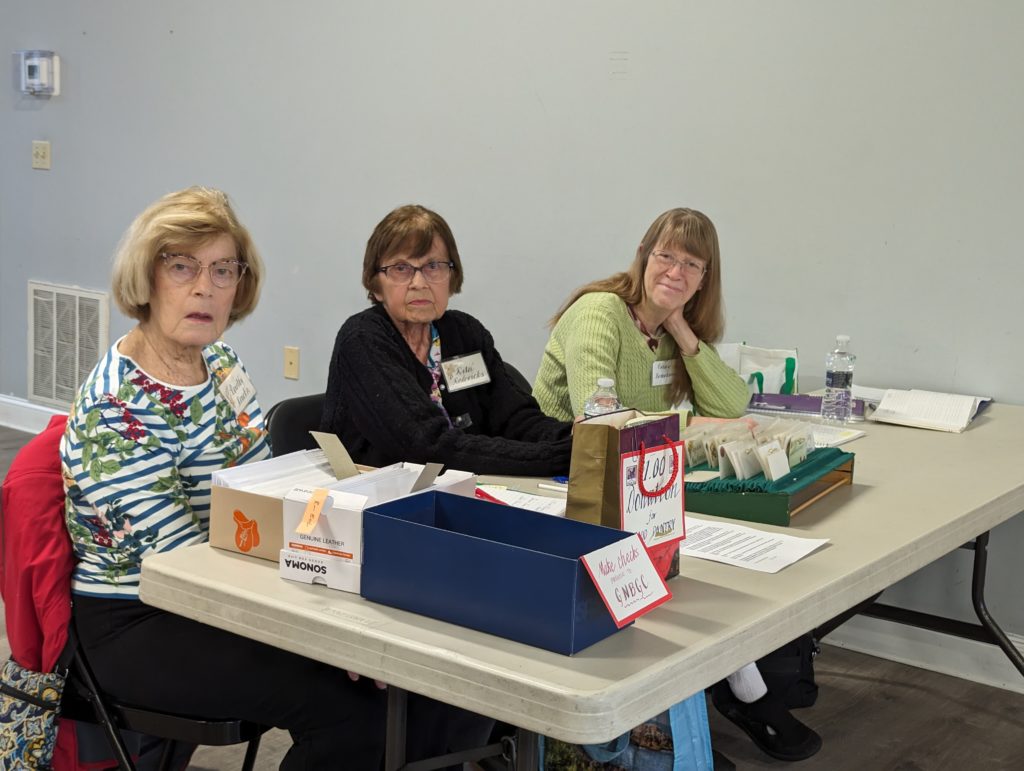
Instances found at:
x=691 y=268
x=184 y=269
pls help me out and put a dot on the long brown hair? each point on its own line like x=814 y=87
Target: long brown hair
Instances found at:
x=690 y=231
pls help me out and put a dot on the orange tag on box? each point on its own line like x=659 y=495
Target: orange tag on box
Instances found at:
x=311 y=515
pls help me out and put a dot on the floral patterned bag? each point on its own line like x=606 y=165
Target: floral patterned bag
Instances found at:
x=29 y=706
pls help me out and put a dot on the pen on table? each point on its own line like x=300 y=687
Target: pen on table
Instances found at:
x=556 y=488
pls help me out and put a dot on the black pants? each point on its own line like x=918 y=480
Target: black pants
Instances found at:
x=151 y=658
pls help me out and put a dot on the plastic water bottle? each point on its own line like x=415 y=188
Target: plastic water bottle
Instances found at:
x=603 y=400
x=837 y=404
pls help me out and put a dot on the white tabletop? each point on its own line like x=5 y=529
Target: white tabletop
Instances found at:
x=916 y=495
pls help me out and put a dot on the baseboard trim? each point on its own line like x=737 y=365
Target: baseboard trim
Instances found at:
x=23 y=415
x=975 y=661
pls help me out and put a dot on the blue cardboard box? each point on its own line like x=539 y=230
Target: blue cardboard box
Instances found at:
x=507 y=571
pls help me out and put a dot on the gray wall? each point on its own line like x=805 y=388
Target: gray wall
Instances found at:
x=862 y=161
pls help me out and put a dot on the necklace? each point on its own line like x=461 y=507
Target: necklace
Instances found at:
x=652 y=340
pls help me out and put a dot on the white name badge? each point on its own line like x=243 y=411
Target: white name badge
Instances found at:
x=626 y=579
x=464 y=372
x=662 y=372
x=237 y=389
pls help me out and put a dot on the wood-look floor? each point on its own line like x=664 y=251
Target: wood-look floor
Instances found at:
x=871 y=714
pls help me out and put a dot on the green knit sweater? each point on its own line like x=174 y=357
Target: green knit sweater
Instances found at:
x=596 y=337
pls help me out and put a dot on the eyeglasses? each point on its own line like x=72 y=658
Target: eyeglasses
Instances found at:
x=402 y=272
x=184 y=269
x=691 y=268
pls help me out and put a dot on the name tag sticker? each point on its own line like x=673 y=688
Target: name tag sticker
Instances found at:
x=237 y=389
x=626 y=579
x=465 y=372
x=662 y=372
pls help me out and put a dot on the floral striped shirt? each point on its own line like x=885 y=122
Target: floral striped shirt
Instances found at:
x=137 y=457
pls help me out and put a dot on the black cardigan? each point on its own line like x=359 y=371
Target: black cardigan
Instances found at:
x=378 y=402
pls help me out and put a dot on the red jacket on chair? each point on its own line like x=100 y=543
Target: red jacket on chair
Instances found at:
x=35 y=574
x=36 y=561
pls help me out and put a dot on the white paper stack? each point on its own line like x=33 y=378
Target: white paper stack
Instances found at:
x=276 y=476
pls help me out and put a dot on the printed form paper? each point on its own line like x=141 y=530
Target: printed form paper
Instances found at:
x=542 y=503
x=722 y=541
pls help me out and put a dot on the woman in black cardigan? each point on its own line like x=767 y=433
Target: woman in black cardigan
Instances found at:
x=411 y=380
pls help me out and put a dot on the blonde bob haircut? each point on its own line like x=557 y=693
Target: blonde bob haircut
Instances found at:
x=182 y=221
x=689 y=231
x=408 y=230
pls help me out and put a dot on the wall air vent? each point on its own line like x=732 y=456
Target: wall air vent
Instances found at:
x=68 y=330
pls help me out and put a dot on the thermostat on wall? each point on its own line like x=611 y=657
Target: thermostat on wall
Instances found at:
x=40 y=73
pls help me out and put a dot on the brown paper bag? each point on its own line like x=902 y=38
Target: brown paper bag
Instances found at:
x=595 y=492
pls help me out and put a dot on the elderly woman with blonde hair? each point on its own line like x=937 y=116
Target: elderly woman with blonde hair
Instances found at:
x=166 y=406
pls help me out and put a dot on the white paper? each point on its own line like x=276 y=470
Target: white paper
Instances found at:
x=833 y=436
x=773 y=460
x=542 y=503
x=723 y=541
x=276 y=476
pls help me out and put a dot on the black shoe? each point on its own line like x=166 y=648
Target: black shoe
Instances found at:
x=721 y=763
x=768 y=724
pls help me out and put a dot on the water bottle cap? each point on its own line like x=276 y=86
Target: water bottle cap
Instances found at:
x=605 y=382
x=842 y=340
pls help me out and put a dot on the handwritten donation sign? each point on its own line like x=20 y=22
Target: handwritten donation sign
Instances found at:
x=465 y=371
x=651 y=493
x=626 y=579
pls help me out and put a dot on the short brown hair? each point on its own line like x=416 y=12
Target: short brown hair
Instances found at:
x=185 y=219
x=409 y=228
x=689 y=231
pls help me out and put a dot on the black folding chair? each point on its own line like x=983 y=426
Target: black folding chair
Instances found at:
x=518 y=378
x=83 y=700
x=290 y=421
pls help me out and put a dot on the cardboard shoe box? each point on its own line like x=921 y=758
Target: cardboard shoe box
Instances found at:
x=502 y=570
x=311 y=568
x=338 y=532
x=251 y=523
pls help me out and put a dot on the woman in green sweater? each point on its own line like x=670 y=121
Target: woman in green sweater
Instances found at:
x=650 y=328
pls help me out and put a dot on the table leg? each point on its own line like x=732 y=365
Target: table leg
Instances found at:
x=394 y=748
x=978 y=597
x=527 y=750
x=988 y=631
